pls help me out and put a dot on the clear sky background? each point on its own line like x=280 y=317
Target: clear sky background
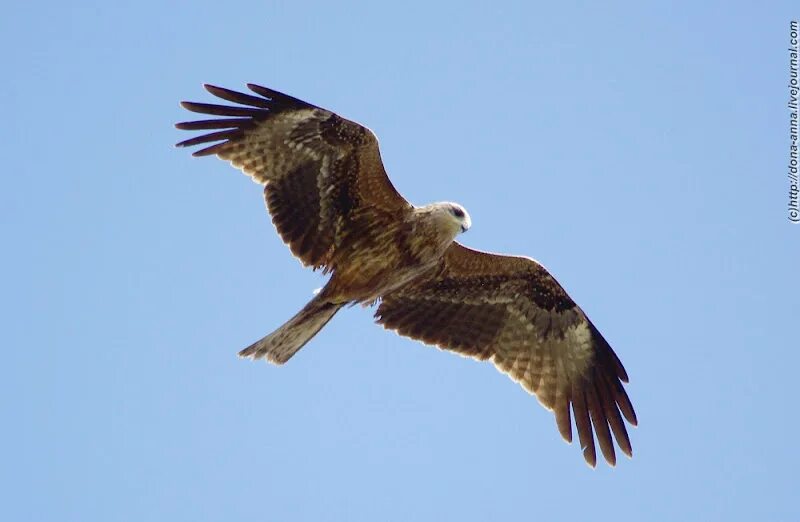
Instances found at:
x=640 y=153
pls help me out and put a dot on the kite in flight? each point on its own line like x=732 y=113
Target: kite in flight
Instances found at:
x=332 y=202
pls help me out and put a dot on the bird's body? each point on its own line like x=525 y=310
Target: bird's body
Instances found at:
x=333 y=204
x=399 y=251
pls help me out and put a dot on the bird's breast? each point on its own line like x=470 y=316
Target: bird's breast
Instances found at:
x=374 y=265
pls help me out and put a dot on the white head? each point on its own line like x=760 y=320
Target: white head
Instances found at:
x=452 y=216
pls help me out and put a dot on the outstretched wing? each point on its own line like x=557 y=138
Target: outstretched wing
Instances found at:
x=317 y=168
x=512 y=311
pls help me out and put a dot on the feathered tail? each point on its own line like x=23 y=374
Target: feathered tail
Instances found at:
x=279 y=346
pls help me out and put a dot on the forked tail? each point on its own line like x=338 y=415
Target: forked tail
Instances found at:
x=279 y=346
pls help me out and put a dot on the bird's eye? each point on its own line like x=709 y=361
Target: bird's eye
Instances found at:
x=457 y=212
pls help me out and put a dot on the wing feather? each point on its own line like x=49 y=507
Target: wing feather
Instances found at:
x=237 y=97
x=613 y=416
x=563 y=419
x=212 y=136
x=511 y=310
x=600 y=422
x=219 y=110
x=210 y=151
x=317 y=168
x=583 y=423
x=222 y=123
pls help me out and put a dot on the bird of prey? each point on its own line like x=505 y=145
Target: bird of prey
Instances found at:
x=332 y=202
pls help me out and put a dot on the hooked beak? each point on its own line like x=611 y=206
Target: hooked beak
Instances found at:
x=465 y=226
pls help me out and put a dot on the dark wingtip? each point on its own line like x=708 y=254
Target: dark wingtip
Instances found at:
x=628 y=452
x=622 y=374
x=590 y=456
x=563 y=418
x=256 y=87
x=209 y=151
x=566 y=434
x=214 y=89
x=280 y=99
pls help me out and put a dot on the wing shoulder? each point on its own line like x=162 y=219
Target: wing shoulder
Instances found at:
x=522 y=277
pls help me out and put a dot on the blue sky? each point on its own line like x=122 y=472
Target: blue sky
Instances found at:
x=639 y=152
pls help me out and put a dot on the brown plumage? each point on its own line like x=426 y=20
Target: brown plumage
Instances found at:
x=333 y=204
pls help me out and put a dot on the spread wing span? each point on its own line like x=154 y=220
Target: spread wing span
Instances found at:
x=511 y=311
x=318 y=169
